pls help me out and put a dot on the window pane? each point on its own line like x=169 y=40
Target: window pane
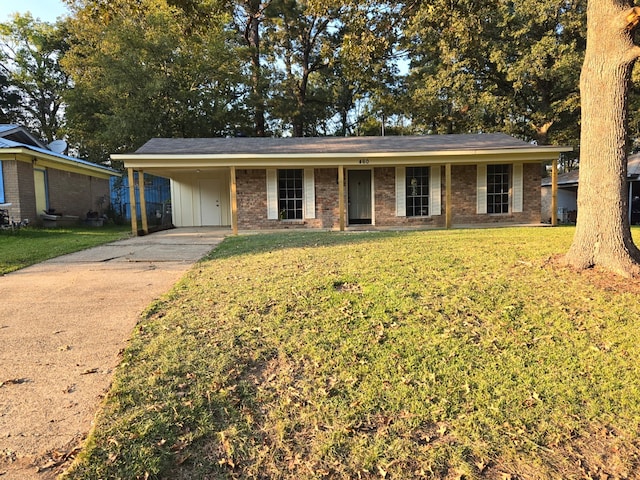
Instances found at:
x=417 y=187
x=290 y=197
x=498 y=184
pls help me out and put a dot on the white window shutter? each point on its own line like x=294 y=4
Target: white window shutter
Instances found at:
x=482 y=189
x=401 y=192
x=272 y=194
x=435 y=191
x=309 y=193
x=518 y=187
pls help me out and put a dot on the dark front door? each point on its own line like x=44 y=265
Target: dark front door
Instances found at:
x=359 y=197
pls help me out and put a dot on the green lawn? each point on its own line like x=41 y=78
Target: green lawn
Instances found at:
x=24 y=247
x=442 y=354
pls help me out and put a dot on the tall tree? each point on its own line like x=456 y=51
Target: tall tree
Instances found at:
x=9 y=102
x=249 y=18
x=497 y=66
x=151 y=68
x=30 y=51
x=366 y=71
x=603 y=237
x=303 y=38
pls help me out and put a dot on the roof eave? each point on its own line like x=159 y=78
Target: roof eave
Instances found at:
x=243 y=160
x=97 y=170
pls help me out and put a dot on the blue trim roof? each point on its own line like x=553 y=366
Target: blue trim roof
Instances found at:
x=8 y=126
x=6 y=143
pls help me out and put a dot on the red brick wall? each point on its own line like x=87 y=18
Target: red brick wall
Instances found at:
x=385 y=203
x=464 y=201
x=69 y=193
x=327 y=200
x=76 y=194
x=19 y=189
x=252 y=200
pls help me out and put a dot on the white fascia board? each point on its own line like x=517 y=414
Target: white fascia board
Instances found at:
x=334 y=159
x=52 y=161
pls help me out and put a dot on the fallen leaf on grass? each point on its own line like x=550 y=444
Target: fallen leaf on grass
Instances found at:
x=57 y=458
x=13 y=381
x=70 y=389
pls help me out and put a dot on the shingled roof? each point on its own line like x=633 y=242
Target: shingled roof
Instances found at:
x=330 y=145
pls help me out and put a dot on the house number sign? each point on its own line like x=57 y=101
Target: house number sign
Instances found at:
x=364 y=161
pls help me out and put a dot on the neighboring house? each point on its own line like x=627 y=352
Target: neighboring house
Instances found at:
x=34 y=178
x=567 y=206
x=340 y=182
x=567 y=200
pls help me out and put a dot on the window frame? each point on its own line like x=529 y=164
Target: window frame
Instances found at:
x=418 y=195
x=290 y=181
x=499 y=190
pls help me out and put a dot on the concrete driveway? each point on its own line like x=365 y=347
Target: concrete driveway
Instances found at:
x=63 y=323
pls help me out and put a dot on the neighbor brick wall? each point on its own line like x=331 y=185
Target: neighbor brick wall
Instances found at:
x=76 y=194
x=11 y=187
x=19 y=189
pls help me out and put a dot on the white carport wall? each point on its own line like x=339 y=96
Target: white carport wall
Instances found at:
x=201 y=199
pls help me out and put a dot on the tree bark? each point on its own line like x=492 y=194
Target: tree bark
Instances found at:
x=603 y=237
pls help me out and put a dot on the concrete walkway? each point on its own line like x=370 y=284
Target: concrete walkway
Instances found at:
x=63 y=323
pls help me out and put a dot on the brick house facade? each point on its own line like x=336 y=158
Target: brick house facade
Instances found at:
x=34 y=178
x=438 y=181
x=252 y=201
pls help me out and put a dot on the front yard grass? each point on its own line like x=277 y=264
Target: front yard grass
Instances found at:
x=27 y=246
x=442 y=354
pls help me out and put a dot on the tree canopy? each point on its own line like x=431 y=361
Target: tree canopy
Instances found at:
x=289 y=67
x=150 y=69
x=32 y=83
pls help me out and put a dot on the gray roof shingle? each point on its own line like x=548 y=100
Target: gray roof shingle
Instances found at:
x=330 y=145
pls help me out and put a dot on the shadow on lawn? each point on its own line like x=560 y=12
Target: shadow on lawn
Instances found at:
x=269 y=242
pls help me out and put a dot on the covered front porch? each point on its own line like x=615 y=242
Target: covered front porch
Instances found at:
x=340 y=183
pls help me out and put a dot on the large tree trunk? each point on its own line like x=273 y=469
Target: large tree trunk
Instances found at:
x=603 y=236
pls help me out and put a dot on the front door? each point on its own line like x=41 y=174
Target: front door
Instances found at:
x=359 y=190
x=210 y=209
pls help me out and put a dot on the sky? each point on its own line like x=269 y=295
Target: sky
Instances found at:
x=46 y=10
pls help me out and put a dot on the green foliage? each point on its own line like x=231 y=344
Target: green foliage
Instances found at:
x=30 y=53
x=26 y=246
x=200 y=68
x=497 y=66
x=9 y=102
x=441 y=354
x=150 y=69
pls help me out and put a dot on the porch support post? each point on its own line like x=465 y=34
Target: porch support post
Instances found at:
x=554 y=193
x=449 y=195
x=143 y=203
x=132 y=202
x=341 y=198
x=234 y=202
